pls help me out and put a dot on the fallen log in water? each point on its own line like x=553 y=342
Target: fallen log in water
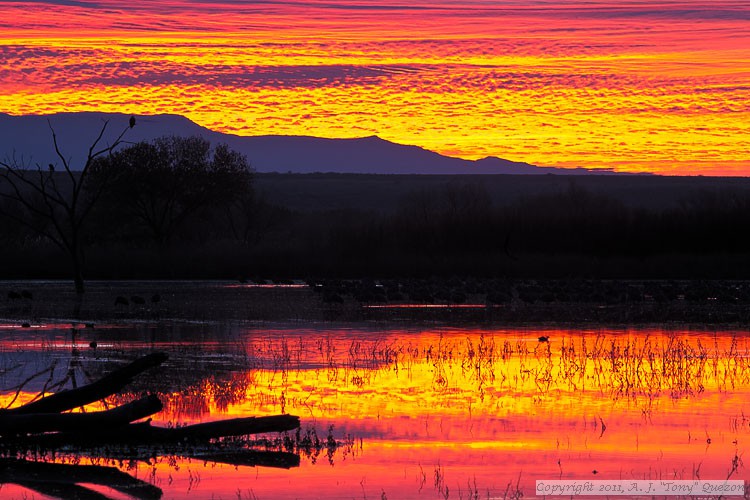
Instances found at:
x=106 y=386
x=234 y=454
x=34 y=429
x=110 y=420
x=147 y=434
x=251 y=458
x=63 y=491
x=222 y=428
x=60 y=480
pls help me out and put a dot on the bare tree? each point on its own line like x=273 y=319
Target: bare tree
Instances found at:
x=56 y=204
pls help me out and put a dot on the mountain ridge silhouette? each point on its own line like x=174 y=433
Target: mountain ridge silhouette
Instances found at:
x=29 y=138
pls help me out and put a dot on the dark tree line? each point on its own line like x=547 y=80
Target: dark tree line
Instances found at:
x=147 y=192
x=180 y=208
x=457 y=230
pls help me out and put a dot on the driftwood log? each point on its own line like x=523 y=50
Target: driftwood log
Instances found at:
x=65 y=481
x=219 y=428
x=59 y=480
x=251 y=458
x=91 y=393
x=31 y=423
x=41 y=425
x=144 y=432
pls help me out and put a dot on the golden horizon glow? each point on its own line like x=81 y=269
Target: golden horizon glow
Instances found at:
x=634 y=86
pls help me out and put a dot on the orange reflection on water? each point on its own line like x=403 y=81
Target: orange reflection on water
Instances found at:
x=468 y=406
x=629 y=404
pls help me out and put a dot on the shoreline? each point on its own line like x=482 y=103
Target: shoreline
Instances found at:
x=528 y=302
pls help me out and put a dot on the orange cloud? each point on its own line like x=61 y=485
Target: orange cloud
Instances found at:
x=634 y=85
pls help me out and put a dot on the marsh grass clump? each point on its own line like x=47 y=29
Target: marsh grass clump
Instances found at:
x=635 y=368
x=332 y=376
x=513 y=491
x=649 y=366
x=308 y=444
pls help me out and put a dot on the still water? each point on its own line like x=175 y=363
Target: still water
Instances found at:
x=414 y=412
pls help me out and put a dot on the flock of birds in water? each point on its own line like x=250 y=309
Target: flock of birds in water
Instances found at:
x=455 y=291
x=123 y=301
x=120 y=300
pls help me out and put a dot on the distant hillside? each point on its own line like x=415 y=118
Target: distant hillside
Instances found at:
x=29 y=137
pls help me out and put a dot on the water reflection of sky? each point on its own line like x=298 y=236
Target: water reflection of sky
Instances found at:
x=460 y=404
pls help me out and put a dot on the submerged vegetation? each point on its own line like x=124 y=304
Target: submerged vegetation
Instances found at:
x=263 y=371
x=638 y=368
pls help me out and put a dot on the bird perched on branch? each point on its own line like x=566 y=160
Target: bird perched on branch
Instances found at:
x=132 y=121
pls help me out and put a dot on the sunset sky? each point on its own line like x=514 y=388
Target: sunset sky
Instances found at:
x=631 y=85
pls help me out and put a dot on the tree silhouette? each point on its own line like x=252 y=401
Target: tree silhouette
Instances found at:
x=57 y=204
x=161 y=184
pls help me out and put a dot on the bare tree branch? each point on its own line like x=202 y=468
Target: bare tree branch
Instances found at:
x=57 y=212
